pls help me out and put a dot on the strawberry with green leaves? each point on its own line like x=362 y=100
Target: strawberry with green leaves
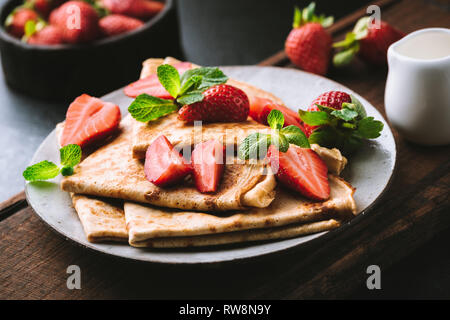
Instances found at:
x=369 y=41
x=16 y=20
x=308 y=45
x=200 y=93
x=42 y=34
x=339 y=120
x=290 y=156
x=70 y=156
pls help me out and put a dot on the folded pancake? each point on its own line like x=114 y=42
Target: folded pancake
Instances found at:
x=112 y=172
x=102 y=220
x=183 y=135
x=148 y=222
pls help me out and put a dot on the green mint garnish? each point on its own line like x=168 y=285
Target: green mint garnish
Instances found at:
x=146 y=108
x=344 y=129
x=70 y=156
x=185 y=90
x=256 y=144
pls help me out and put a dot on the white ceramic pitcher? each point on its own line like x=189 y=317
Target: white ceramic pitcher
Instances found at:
x=417 y=95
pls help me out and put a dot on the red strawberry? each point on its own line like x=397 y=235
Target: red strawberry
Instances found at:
x=78 y=21
x=142 y=9
x=261 y=107
x=301 y=170
x=221 y=103
x=163 y=164
x=308 y=45
x=151 y=85
x=309 y=48
x=115 y=24
x=208 y=164
x=89 y=120
x=370 y=41
x=331 y=99
x=49 y=35
x=15 y=22
x=42 y=6
x=373 y=48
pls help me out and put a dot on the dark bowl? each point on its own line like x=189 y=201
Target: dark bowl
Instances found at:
x=65 y=71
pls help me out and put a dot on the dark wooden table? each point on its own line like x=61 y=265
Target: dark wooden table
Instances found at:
x=34 y=259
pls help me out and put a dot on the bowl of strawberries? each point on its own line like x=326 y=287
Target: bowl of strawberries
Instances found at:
x=57 y=49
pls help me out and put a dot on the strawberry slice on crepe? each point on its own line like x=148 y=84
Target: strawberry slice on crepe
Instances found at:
x=260 y=108
x=208 y=163
x=302 y=170
x=151 y=85
x=89 y=120
x=164 y=165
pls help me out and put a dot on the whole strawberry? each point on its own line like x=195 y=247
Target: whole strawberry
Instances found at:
x=115 y=24
x=43 y=7
x=49 y=35
x=15 y=22
x=330 y=99
x=78 y=21
x=141 y=9
x=308 y=45
x=221 y=103
x=369 y=40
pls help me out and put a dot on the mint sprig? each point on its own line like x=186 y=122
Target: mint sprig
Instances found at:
x=345 y=129
x=255 y=145
x=186 y=89
x=70 y=156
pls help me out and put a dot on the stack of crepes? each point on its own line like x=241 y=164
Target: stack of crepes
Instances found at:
x=115 y=202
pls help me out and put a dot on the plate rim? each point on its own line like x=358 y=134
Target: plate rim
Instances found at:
x=317 y=238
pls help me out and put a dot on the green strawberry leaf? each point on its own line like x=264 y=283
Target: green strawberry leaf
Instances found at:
x=308 y=12
x=296 y=136
x=345 y=114
x=70 y=155
x=211 y=76
x=146 y=108
x=314 y=118
x=254 y=146
x=349 y=40
x=170 y=79
x=297 y=18
x=190 y=98
x=43 y=170
x=361 y=29
x=326 y=21
x=368 y=128
x=30 y=28
x=275 y=119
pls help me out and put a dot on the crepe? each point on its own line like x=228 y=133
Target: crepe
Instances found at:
x=183 y=135
x=101 y=220
x=148 y=222
x=112 y=172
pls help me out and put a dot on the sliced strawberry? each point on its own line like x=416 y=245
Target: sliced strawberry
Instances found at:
x=261 y=107
x=88 y=120
x=151 y=85
x=208 y=163
x=301 y=170
x=163 y=164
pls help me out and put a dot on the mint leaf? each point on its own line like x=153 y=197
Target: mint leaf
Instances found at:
x=211 y=76
x=314 y=118
x=67 y=171
x=170 y=79
x=345 y=114
x=295 y=136
x=146 y=108
x=190 y=84
x=280 y=141
x=70 y=155
x=357 y=106
x=275 y=119
x=190 y=98
x=369 y=128
x=43 y=170
x=325 y=137
x=254 y=146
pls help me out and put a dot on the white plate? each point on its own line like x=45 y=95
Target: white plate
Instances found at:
x=370 y=171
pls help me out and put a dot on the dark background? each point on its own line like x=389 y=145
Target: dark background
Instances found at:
x=219 y=33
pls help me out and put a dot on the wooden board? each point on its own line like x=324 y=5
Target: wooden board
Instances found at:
x=33 y=259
